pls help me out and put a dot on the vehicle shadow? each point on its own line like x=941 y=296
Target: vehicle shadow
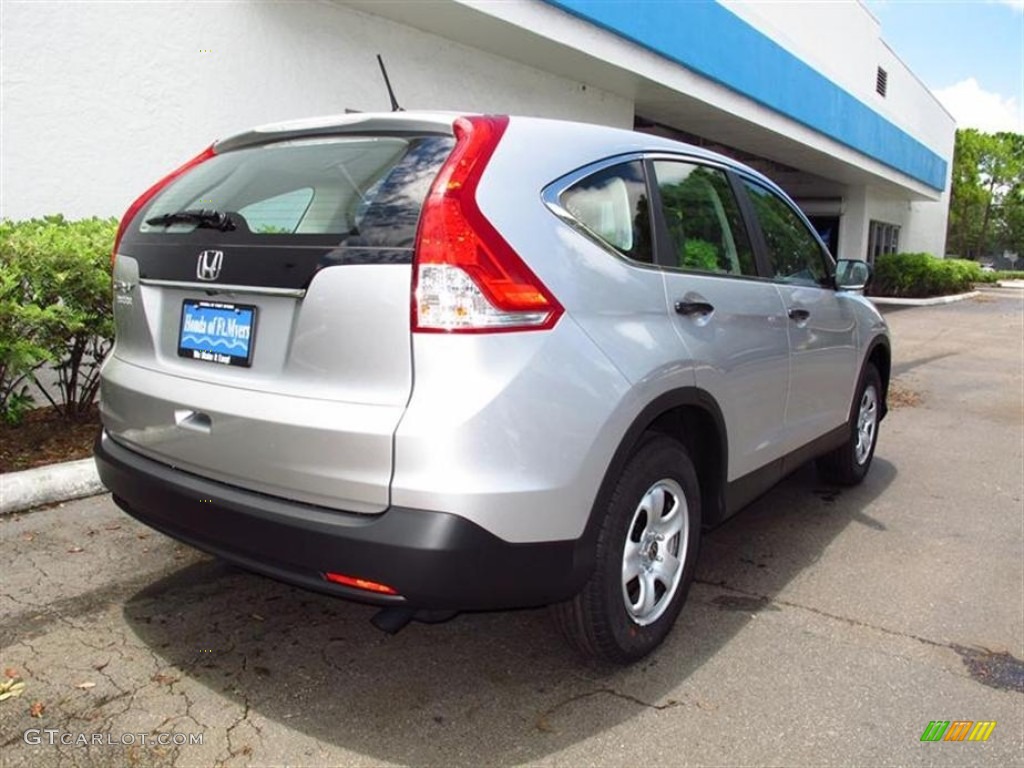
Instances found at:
x=488 y=688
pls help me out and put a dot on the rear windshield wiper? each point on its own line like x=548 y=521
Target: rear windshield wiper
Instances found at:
x=201 y=218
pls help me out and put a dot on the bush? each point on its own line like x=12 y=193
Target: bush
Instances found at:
x=920 y=275
x=22 y=326
x=54 y=308
x=995 y=277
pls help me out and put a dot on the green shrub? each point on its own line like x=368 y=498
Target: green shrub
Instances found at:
x=54 y=308
x=996 y=276
x=22 y=325
x=920 y=275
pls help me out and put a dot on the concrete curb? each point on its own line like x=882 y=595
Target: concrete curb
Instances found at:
x=885 y=301
x=46 y=485
x=1010 y=283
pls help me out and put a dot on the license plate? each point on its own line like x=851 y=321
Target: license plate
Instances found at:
x=216 y=332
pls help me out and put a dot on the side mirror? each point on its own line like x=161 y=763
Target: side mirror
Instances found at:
x=852 y=275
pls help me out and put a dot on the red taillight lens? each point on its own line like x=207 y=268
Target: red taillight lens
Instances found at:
x=467 y=278
x=150 y=193
x=352 y=581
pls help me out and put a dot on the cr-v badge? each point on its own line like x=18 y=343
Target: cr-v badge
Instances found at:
x=208 y=265
x=123 y=292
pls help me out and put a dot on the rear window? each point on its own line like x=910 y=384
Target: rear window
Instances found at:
x=355 y=191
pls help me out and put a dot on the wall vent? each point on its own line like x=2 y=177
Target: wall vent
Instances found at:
x=881 y=81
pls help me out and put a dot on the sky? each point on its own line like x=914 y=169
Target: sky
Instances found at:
x=970 y=54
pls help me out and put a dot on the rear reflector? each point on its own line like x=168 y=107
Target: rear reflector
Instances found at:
x=352 y=581
x=467 y=277
x=150 y=193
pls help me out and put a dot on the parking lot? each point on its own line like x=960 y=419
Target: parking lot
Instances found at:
x=826 y=627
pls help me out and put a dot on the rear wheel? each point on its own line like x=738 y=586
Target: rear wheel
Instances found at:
x=849 y=463
x=646 y=556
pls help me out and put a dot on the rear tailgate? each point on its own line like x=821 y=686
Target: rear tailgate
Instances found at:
x=275 y=356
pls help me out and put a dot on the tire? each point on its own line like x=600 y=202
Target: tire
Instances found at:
x=849 y=463
x=640 y=582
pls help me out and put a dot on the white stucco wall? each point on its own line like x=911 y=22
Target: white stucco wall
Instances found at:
x=853 y=224
x=843 y=41
x=100 y=99
x=926 y=228
x=922 y=224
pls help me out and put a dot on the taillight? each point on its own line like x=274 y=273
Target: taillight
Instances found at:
x=150 y=193
x=353 y=581
x=467 y=278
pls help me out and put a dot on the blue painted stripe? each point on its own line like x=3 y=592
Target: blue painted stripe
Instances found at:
x=712 y=41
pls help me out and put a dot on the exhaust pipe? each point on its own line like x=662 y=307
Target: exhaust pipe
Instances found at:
x=393 y=620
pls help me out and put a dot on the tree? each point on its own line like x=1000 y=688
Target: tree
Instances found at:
x=967 y=198
x=1008 y=230
x=987 y=193
x=1011 y=230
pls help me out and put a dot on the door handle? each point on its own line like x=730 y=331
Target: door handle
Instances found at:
x=799 y=315
x=694 y=308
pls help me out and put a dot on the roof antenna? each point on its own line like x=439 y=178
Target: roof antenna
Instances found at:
x=387 y=82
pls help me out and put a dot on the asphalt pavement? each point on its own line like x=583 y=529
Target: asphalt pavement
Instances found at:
x=826 y=627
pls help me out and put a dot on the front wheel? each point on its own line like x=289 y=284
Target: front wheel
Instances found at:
x=646 y=556
x=849 y=463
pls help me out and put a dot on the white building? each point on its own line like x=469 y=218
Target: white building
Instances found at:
x=100 y=99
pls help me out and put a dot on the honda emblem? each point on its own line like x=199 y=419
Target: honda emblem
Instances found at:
x=208 y=265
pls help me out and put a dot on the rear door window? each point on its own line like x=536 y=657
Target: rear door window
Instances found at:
x=705 y=229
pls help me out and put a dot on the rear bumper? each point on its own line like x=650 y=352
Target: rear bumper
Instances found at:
x=434 y=560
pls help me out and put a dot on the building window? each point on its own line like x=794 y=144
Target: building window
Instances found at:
x=881 y=81
x=882 y=238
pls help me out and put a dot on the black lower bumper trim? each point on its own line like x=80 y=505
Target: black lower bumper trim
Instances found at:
x=434 y=560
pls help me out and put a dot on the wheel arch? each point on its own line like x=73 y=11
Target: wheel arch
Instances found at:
x=691 y=416
x=879 y=354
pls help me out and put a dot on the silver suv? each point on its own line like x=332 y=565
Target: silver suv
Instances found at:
x=443 y=363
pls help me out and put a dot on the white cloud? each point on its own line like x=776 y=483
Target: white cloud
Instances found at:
x=1017 y=5
x=974 y=107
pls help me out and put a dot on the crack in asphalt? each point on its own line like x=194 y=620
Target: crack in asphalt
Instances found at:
x=19 y=601
x=243 y=749
x=542 y=723
x=996 y=670
x=39 y=616
x=769 y=600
